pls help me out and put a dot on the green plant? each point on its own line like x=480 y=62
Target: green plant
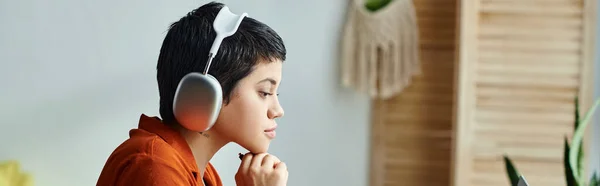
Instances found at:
x=374 y=5
x=573 y=155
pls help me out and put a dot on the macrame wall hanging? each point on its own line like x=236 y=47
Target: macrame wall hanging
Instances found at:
x=380 y=48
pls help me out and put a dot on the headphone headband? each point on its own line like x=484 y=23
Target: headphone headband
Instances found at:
x=226 y=24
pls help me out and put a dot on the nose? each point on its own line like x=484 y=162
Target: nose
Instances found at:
x=276 y=111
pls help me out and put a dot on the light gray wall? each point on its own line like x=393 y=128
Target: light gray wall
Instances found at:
x=76 y=75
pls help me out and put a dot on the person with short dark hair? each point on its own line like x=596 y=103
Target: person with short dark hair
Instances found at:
x=249 y=68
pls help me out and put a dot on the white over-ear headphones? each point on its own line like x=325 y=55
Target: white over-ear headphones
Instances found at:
x=199 y=96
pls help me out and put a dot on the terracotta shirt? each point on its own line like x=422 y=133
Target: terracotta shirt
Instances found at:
x=155 y=155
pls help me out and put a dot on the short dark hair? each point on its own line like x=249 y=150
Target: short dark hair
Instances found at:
x=188 y=41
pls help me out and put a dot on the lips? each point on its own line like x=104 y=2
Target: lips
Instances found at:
x=270 y=132
x=271 y=129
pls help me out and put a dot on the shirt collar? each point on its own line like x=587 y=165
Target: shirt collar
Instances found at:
x=172 y=137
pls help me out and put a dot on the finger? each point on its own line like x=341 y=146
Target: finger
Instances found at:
x=276 y=159
x=245 y=164
x=269 y=161
x=257 y=161
x=282 y=169
x=281 y=166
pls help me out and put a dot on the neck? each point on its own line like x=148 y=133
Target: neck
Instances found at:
x=204 y=146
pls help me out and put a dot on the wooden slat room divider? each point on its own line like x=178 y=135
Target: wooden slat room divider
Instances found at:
x=519 y=65
x=522 y=62
x=412 y=131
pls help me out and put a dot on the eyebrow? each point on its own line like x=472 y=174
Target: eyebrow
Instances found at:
x=271 y=80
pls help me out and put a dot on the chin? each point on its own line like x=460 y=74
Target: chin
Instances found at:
x=258 y=147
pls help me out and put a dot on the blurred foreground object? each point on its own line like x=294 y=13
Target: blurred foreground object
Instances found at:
x=11 y=175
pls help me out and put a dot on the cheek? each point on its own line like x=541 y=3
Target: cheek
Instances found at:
x=248 y=112
x=244 y=116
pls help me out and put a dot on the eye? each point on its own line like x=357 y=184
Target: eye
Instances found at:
x=265 y=94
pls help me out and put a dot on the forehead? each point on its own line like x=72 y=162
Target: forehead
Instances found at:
x=267 y=69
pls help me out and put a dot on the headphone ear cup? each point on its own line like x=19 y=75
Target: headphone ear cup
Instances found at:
x=197 y=102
